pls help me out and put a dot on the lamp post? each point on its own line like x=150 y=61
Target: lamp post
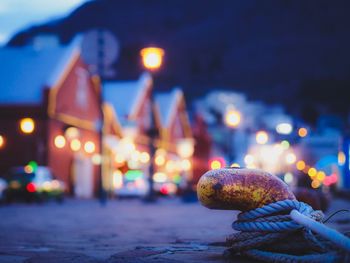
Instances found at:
x=152 y=58
x=232 y=120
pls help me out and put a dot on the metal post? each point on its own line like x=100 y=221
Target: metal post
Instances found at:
x=152 y=134
x=231 y=145
x=100 y=39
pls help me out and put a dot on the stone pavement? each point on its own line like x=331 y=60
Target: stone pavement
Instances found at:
x=123 y=231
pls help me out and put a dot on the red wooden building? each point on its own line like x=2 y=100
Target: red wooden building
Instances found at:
x=52 y=88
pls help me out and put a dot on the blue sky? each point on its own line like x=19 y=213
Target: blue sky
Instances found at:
x=19 y=14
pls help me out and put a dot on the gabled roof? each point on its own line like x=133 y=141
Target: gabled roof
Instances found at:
x=126 y=96
x=168 y=103
x=169 y=106
x=25 y=71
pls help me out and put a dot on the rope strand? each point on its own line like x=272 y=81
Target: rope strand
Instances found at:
x=265 y=230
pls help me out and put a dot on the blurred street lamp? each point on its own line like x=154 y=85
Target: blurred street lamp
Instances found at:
x=232 y=119
x=152 y=58
x=27 y=125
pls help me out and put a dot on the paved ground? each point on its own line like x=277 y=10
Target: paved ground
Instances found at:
x=123 y=231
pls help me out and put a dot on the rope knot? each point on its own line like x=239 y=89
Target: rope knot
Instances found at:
x=265 y=229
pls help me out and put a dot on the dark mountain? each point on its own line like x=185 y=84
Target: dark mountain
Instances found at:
x=294 y=52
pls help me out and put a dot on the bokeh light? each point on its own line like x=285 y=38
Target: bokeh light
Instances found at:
x=152 y=57
x=302 y=132
x=27 y=125
x=59 y=141
x=262 y=137
x=75 y=145
x=89 y=147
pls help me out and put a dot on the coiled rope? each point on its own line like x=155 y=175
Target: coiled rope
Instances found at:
x=287 y=231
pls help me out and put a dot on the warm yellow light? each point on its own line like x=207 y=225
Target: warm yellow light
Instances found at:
x=341 y=158
x=144 y=157
x=185 y=148
x=160 y=151
x=215 y=165
x=28 y=169
x=235 y=165
x=159 y=160
x=47 y=186
x=72 y=133
x=186 y=165
x=75 y=145
x=160 y=177
x=312 y=172
x=89 y=147
x=302 y=132
x=249 y=159
x=300 y=165
x=27 y=125
x=60 y=141
x=290 y=158
x=262 y=137
x=96 y=159
x=315 y=184
x=119 y=159
x=320 y=176
x=152 y=57
x=133 y=164
x=2 y=141
x=232 y=118
x=170 y=166
x=126 y=147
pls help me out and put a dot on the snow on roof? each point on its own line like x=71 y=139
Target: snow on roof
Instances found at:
x=167 y=103
x=125 y=95
x=25 y=71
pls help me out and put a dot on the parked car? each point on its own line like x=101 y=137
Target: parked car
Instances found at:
x=27 y=184
x=131 y=184
x=3 y=187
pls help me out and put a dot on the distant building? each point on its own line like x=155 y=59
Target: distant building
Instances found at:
x=129 y=154
x=51 y=87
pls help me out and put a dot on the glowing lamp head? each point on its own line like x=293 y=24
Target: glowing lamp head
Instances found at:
x=232 y=118
x=27 y=125
x=152 y=57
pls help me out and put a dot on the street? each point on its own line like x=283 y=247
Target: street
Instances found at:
x=122 y=231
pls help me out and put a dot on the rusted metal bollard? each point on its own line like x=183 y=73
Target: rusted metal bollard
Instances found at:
x=273 y=225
